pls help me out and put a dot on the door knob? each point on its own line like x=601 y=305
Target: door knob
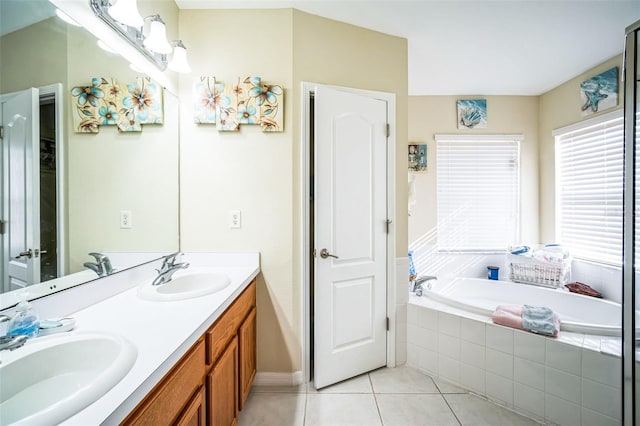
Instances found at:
x=28 y=254
x=324 y=253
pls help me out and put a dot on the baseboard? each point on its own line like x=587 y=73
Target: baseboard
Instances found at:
x=265 y=378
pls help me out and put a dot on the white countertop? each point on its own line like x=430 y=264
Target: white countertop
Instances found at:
x=161 y=331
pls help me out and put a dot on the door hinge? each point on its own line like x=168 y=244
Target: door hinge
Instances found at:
x=3 y=227
x=388 y=130
x=387 y=323
x=388 y=222
x=1 y=132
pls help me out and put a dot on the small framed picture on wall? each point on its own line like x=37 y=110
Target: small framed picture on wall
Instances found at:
x=418 y=157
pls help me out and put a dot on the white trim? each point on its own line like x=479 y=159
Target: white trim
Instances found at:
x=588 y=123
x=466 y=137
x=390 y=98
x=279 y=379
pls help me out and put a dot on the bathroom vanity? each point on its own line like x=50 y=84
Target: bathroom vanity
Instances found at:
x=211 y=382
x=190 y=354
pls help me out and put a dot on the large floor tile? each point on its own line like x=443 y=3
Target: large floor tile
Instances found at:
x=273 y=409
x=359 y=384
x=475 y=411
x=415 y=410
x=401 y=380
x=341 y=410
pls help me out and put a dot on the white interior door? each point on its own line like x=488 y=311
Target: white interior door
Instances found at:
x=350 y=213
x=21 y=189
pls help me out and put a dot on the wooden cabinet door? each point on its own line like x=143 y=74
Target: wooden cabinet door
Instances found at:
x=247 y=355
x=194 y=413
x=222 y=388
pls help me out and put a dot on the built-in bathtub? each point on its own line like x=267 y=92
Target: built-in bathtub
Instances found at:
x=574 y=379
x=578 y=313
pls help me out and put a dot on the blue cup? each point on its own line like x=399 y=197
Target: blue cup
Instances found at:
x=492 y=272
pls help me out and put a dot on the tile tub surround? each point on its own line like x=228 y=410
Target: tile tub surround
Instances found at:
x=565 y=381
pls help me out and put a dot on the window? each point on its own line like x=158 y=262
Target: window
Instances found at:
x=478 y=188
x=589 y=184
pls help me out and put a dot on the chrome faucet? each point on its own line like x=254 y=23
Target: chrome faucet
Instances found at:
x=12 y=342
x=418 y=284
x=102 y=265
x=168 y=268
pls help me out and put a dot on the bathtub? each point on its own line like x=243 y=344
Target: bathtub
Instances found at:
x=578 y=313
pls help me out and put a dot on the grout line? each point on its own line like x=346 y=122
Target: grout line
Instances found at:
x=375 y=398
x=304 y=413
x=452 y=412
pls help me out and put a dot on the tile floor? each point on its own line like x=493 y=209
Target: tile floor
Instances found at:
x=399 y=396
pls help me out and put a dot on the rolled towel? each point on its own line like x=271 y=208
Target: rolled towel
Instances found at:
x=508 y=315
x=531 y=318
x=541 y=320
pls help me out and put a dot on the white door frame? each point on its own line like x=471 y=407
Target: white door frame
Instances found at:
x=55 y=90
x=305 y=241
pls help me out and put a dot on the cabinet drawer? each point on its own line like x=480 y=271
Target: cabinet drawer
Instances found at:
x=227 y=325
x=168 y=399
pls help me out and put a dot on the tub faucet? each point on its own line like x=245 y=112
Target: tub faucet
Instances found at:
x=417 y=285
x=168 y=268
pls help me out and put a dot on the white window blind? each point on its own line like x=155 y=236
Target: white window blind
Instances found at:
x=589 y=185
x=478 y=186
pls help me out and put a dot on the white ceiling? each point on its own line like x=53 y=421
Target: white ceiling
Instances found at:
x=476 y=47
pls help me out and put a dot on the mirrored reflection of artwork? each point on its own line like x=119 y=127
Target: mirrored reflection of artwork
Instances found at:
x=600 y=92
x=107 y=103
x=472 y=114
x=418 y=157
x=246 y=100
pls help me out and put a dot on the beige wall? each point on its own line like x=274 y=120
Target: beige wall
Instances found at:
x=558 y=108
x=26 y=61
x=429 y=115
x=259 y=173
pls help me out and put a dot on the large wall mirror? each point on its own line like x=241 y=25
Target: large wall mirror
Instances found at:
x=85 y=181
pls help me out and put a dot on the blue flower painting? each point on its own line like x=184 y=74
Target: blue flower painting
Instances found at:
x=107 y=103
x=472 y=114
x=600 y=92
x=418 y=157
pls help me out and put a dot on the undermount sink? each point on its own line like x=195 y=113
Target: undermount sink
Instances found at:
x=52 y=378
x=186 y=284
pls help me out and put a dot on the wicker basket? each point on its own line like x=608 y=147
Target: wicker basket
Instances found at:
x=528 y=270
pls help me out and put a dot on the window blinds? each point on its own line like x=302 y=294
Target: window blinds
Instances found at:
x=589 y=184
x=478 y=184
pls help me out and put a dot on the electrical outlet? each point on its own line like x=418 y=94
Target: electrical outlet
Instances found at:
x=235 y=219
x=126 y=220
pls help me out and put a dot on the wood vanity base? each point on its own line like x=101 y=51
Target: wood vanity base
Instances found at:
x=211 y=382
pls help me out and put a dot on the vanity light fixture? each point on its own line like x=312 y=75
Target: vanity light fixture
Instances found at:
x=133 y=35
x=156 y=41
x=126 y=12
x=179 y=61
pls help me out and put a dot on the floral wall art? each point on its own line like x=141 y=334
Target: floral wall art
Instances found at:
x=246 y=100
x=107 y=103
x=600 y=92
x=472 y=114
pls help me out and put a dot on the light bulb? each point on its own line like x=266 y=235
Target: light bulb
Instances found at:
x=126 y=12
x=156 y=41
x=179 y=61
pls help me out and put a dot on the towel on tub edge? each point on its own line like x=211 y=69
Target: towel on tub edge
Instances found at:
x=536 y=319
